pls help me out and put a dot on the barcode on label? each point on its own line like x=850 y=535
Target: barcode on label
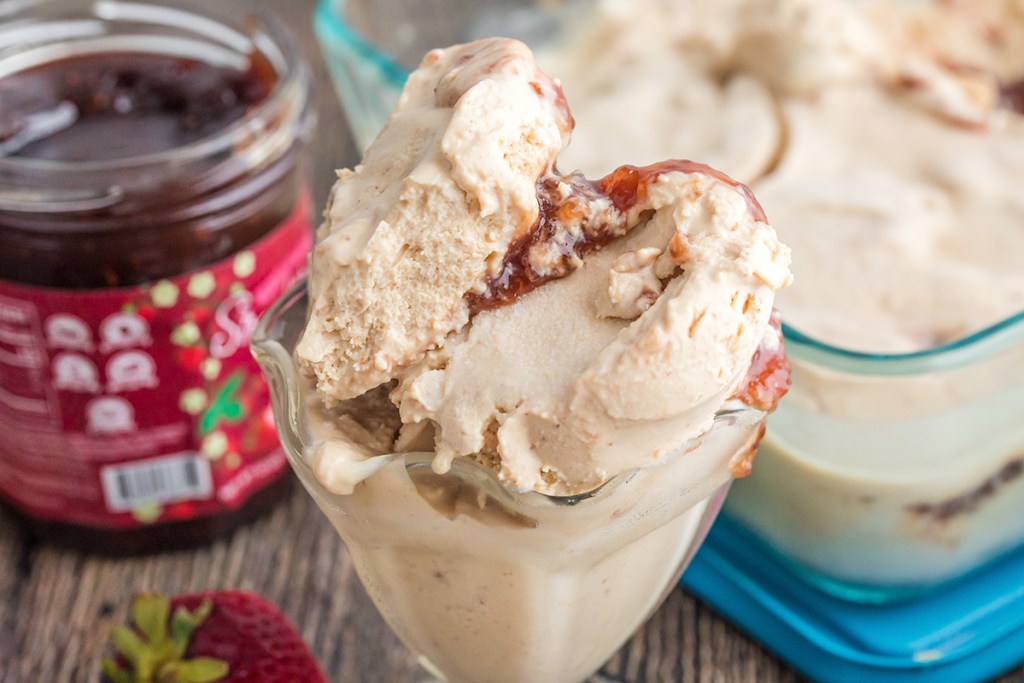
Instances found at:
x=167 y=479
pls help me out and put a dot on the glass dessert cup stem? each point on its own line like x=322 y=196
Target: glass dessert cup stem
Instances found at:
x=488 y=584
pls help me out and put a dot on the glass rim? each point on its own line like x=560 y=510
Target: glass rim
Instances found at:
x=802 y=346
x=271 y=352
x=268 y=35
x=974 y=347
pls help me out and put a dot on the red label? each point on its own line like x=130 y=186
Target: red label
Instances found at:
x=129 y=406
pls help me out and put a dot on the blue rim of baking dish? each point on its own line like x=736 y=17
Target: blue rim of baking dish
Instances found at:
x=330 y=19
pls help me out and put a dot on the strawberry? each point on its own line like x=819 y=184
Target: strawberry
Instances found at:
x=215 y=637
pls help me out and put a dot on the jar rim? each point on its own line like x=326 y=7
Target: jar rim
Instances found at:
x=973 y=348
x=265 y=34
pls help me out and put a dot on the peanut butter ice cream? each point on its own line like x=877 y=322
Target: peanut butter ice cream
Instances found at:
x=557 y=329
x=521 y=395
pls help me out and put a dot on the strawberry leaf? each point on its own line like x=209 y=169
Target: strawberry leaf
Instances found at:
x=129 y=645
x=156 y=647
x=150 y=614
x=182 y=627
x=147 y=665
x=166 y=651
x=114 y=673
x=184 y=624
x=202 y=612
x=202 y=670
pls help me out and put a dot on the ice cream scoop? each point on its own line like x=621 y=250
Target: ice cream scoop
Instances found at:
x=557 y=329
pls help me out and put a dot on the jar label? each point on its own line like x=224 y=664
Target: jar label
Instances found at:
x=132 y=406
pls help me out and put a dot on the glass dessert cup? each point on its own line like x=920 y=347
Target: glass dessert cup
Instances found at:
x=487 y=584
x=885 y=476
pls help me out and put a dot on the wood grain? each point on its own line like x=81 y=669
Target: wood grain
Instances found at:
x=56 y=607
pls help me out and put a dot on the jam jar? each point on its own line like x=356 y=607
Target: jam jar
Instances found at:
x=153 y=202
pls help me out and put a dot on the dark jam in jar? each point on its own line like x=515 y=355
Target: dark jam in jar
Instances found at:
x=98 y=107
x=153 y=204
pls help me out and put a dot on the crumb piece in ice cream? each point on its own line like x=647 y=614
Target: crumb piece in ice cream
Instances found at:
x=633 y=285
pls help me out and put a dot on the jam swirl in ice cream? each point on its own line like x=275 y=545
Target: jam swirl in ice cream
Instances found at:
x=1012 y=96
x=576 y=216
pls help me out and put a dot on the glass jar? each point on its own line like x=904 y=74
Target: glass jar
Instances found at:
x=885 y=476
x=153 y=202
x=488 y=584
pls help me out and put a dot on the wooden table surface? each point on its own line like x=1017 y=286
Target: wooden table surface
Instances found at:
x=57 y=607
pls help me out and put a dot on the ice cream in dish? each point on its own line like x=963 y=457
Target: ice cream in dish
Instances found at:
x=518 y=394
x=884 y=139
